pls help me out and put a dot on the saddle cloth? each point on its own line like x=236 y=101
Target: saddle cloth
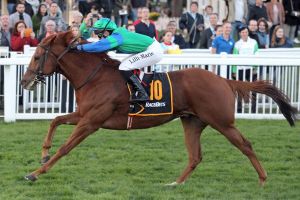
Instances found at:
x=159 y=88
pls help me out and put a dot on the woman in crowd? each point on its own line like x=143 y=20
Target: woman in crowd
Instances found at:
x=279 y=40
x=22 y=36
x=50 y=27
x=167 y=43
x=276 y=15
x=177 y=37
x=75 y=30
x=262 y=33
x=37 y=18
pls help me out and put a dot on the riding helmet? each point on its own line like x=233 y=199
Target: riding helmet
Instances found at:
x=105 y=23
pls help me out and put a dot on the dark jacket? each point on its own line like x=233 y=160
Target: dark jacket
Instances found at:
x=287 y=44
x=258 y=12
x=138 y=3
x=4 y=39
x=179 y=40
x=255 y=37
x=118 y=5
x=289 y=19
x=186 y=21
x=144 y=29
x=205 y=39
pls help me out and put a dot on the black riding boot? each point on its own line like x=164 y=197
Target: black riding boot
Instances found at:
x=137 y=87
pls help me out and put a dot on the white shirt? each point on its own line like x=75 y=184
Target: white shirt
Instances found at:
x=248 y=47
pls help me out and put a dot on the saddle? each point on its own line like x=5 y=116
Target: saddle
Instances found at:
x=159 y=88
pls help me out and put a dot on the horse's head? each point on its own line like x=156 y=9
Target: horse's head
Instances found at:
x=45 y=60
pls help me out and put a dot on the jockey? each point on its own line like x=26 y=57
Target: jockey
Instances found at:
x=146 y=51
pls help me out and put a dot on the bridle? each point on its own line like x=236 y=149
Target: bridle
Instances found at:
x=40 y=76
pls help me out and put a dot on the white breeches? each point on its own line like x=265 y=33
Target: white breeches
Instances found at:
x=151 y=56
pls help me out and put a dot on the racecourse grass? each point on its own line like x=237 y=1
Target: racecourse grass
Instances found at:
x=137 y=164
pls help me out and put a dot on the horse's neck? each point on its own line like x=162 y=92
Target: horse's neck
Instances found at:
x=77 y=68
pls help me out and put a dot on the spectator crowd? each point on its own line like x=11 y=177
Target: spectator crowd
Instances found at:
x=247 y=25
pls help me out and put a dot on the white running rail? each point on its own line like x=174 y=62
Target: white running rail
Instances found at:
x=281 y=66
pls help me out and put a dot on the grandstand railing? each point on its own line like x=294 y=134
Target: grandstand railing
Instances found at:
x=4 y=53
x=56 y=97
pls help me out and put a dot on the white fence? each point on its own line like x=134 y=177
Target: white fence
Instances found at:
x=282 y=66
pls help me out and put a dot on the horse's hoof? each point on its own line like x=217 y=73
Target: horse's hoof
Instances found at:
x=262 y=183
x=174 y=184
x=45 y=159
x=30 y=177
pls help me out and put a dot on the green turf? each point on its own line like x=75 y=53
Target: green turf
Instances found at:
x=137 y=164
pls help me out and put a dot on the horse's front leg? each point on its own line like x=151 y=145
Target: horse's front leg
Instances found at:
x=72 y=119
x=87 y=125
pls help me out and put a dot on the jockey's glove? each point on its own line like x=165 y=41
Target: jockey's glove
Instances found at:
x=76 y=47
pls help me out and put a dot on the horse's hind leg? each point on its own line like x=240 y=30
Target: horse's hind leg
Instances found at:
x=71 y=118
x=237 y=139
x=192 y=130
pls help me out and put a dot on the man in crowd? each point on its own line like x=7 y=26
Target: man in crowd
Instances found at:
x=209 y=32
x=207 y=12
x=291 y=21
x=48 y=3
x=28 y=8
x=238 y=12
x=223 y=43
x=5 y=34
x=20 y=15
x=192 y=24
x=259 y=11
x=135 y=4
x=253 y=30
x=145 y=26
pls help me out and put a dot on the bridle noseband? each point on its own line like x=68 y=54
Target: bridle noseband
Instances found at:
x=39 y=75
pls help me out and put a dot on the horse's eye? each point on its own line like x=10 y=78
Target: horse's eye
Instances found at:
x=36 y=58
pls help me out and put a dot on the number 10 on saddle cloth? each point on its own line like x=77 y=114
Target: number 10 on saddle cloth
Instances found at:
x=159 y=88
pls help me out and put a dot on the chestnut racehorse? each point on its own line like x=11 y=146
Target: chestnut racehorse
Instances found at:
x=201 y=98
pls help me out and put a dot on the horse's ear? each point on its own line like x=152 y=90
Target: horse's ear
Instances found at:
x=48 y=40
x=69 y=38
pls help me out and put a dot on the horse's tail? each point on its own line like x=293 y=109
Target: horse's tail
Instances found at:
x=243 y=89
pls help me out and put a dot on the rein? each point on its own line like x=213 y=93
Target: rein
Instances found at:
x=40 y=76
x=89 y=78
